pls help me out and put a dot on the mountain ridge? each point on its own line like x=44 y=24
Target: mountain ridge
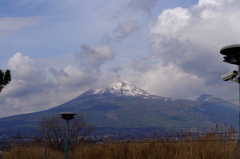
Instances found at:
x=124 y=89
x=124 y=105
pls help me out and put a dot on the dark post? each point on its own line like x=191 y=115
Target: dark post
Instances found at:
x=67 y=116
x=232 y=55
x=239 y=100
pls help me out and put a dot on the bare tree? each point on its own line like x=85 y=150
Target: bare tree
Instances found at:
x=54 y=130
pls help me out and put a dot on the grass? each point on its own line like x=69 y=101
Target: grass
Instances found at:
x=189 y=146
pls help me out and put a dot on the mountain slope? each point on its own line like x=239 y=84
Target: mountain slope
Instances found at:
x=123 y=105
x=123 y=89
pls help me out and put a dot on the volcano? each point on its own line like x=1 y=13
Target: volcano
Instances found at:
x=123 y=105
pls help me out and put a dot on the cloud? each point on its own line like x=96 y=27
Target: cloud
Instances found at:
x=73 y=77
x=213 y=2
x=143 y=5
x=183 y=60
x=170 y=81
x=36 y=87
x=141 y=65
x=91 y=58
x=191 y=38
x=165 y=81
x=8 y=25
x=28 y=69
x=122 y=32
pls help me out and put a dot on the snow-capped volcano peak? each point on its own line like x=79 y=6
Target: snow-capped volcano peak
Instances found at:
x=122 y=85
x=127 y=89
x=123 y=89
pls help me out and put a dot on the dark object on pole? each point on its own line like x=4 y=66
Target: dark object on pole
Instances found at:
x=67 y=116
x=232 y=56
x=54 y=130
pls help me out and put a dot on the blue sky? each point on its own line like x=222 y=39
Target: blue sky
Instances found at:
x=50 y=28
x=58 y=49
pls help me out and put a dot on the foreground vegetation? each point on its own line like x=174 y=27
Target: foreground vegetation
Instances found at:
x=188 y=146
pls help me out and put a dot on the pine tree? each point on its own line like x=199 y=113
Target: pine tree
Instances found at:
x=5 y=78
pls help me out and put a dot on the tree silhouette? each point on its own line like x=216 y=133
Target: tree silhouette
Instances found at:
x=54 y=130
x=5 y=78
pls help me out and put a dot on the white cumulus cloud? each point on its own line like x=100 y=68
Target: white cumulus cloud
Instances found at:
x=93 y=57
x=36 y=86
x=190 y=40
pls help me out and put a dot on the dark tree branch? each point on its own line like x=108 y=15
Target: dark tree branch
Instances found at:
x=55 y=128
x=5 y=78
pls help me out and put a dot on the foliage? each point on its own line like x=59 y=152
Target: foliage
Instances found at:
x=31 y=152
x=5 y=78
x=189 y=146
x=219 y=145
x=54 y=130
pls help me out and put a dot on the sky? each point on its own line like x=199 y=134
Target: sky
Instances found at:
x=58 y=49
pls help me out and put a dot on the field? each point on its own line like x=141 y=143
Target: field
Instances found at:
x=188 y=146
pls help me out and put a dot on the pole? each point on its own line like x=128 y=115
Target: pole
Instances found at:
x=45 y=137
x=66 y=142
x=239 y=101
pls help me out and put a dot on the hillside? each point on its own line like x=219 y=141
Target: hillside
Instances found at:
x=123 y=105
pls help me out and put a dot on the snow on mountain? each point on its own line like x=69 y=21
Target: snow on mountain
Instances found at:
x=123 y=89
x=209 y=98
x=205 y=98
x=127 y=89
